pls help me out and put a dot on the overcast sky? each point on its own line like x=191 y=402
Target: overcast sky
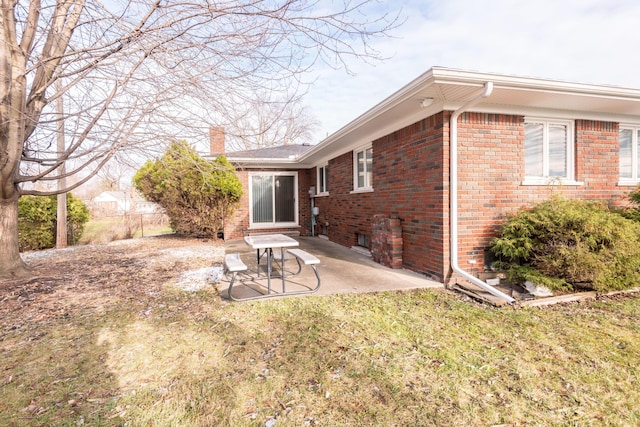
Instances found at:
x=590 y=41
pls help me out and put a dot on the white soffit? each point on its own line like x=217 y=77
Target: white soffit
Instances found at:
x=580 y=105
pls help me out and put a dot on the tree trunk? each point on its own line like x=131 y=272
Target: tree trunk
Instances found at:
x=11 y=264
x=61 y=214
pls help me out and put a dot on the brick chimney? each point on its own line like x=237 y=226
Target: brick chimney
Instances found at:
x=216 y=140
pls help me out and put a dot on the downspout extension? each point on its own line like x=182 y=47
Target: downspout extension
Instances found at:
x=453 y=196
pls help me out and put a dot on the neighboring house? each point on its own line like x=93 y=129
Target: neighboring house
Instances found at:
x=425 y=177
x=112 y=202
x=109 y=203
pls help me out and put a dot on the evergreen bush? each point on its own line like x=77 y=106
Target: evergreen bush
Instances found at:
x=196 y=194
x=37 y=221
x=566 y=244
x=632 y=212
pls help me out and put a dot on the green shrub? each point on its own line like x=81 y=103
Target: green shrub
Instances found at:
x=632 y=212
x=634 y=196
x=37 y=221
x=629 y=212
x=564 y=244
x=196 y=194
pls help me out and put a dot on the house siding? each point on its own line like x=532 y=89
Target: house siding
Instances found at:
x=411 y=182
x=347 y=214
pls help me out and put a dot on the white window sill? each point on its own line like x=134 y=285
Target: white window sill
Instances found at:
x=361 y=250
x=629 y=183
x=322 y=194
x=362 y=190
x=551 y=181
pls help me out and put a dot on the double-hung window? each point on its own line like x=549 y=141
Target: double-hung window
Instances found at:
x=323 y=180
x=548 y=151
x=629 y=155
x=272 y=199
x=363 y=169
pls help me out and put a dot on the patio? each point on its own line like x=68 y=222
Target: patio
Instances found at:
x=342 y=270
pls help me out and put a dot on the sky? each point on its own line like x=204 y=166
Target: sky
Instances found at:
x=588 y=41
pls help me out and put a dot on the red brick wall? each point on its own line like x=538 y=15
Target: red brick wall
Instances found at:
x=597 y=160
x=238 y=225
x=491 y=171
x=346 y=214
x=407 y=182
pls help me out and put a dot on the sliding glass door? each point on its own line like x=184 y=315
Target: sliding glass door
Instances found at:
x=273 y=201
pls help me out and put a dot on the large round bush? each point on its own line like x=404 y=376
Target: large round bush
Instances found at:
x=197 y=194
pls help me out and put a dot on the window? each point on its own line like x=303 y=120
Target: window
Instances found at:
x=548 y=146
x=273 y=201
x=363 y=240
x=363 y=165
x=323 y=179
x=629 y=155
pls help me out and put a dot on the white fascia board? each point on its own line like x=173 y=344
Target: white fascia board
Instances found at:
x=459 y=77
x=266 y=163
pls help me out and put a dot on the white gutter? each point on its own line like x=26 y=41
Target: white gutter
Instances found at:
x=453 y=196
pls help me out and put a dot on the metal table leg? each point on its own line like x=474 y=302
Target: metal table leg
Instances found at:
x=269 y=266
x=282 y=269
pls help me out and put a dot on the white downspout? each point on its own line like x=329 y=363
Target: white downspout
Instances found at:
x=453 y=196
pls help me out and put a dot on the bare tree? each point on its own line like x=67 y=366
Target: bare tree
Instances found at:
x=272 y=123
x=115 y=175
x=136 y=73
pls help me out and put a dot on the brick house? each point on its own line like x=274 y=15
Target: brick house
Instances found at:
x=423 y=179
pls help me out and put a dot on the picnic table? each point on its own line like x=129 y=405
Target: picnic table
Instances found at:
x=265 y=246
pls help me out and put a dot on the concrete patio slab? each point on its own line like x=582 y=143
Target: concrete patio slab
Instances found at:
x=341 y=270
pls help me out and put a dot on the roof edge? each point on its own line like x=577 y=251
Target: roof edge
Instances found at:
x=386 y=104
x=443 y=75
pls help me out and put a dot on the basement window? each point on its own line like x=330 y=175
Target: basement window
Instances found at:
x=363 y=240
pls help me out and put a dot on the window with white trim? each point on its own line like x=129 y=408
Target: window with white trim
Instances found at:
x=323 y=179
x=548 y=151
x=629 y=154
x=272 y=199
x=363 y=169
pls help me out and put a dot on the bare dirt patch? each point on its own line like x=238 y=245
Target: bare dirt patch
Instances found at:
x=69 y=281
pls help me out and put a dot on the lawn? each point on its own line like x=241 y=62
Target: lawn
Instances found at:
x=135 y=349
x=107 y=229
